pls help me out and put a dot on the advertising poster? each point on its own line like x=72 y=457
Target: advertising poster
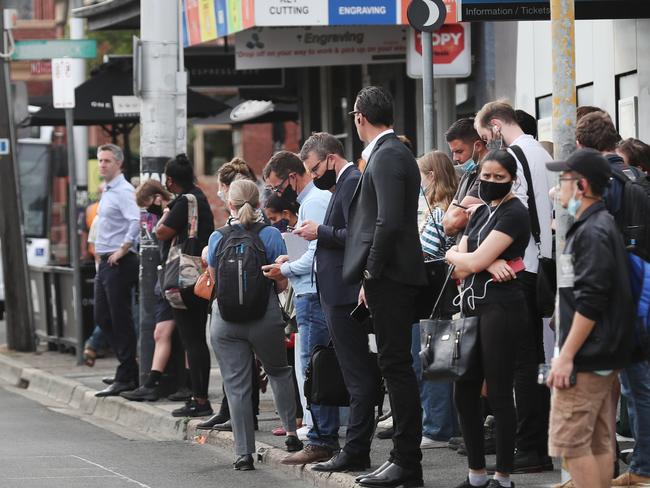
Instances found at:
x=290 y=12
x=208 y=20
x=362 y=12
x=193 y=22
x=221 y=13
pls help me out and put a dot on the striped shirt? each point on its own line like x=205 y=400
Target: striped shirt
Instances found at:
x=432 y=237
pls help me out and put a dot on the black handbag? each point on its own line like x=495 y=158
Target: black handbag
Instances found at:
x=448 y=346
x=546 y=273
x=323 y=379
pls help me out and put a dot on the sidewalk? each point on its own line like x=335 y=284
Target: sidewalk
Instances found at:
x=57 y=376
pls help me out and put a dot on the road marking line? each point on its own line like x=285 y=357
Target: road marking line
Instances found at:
x=62 y=477
x=130 y=480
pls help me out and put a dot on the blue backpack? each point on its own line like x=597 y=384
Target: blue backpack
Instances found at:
x=640 y=283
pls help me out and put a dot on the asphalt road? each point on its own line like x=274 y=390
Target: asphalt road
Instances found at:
x=47 y=447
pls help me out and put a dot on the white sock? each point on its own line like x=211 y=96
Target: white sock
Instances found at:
x=503 y=480
x=478 y=479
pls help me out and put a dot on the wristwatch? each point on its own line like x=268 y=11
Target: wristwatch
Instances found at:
x=367 y=275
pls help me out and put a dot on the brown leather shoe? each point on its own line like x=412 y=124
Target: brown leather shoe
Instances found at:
x=631 y=479
x=309 y=454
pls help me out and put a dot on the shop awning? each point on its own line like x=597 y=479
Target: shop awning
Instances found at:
x=110 y=14
x=105 y=98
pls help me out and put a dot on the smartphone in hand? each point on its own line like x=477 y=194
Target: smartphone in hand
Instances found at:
x=360 y=313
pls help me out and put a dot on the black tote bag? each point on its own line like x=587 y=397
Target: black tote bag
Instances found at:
x=448 y=346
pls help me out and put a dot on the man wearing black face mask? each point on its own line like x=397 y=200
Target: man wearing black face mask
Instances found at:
x=287 y=177
x=322 y=154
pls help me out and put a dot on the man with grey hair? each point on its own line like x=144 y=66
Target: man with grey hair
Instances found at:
x=115 y=246
x=323 y=157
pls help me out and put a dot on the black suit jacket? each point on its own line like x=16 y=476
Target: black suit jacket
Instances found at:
x=331 y=243
x=382 y=232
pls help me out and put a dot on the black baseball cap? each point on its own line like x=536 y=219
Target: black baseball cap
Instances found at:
x=590 y=163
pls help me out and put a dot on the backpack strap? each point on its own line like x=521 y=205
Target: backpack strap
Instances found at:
x=532 y=204
x=192 y=216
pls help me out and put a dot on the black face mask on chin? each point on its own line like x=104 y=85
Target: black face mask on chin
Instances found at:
x=289 y=195
x=155 y=209
x=327 y=181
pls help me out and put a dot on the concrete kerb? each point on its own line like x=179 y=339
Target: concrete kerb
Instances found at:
x=150 y=420
x=272 y=456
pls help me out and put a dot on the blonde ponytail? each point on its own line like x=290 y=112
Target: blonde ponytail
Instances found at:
x=245 y=197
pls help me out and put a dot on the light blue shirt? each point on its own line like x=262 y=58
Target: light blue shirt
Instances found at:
x=313 y=206
x=118 y=217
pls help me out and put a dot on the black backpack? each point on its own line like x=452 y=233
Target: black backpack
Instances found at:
x=241 y=289
x=634 y=216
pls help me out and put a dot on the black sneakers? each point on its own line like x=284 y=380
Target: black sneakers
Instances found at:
x=244 y=463
x=182 y=395
x=527 y=462
x=142 y=393
x=293 y=443
x=192 y=408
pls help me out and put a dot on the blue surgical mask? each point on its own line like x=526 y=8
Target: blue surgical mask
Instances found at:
x=469 y=165
x=574 y=205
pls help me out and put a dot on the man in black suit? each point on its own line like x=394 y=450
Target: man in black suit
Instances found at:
x=323 y=157
x=383 y=249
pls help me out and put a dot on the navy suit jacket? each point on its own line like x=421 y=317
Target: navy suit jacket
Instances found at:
x=331 y=244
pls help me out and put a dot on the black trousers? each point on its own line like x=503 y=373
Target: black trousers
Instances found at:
x=500 y=328
x=191 y=325
x=350 y=340
x=391 y=305
x=113 y=312
x=533 y=400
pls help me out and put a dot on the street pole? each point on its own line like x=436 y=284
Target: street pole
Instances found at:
x=78 y=31
x=427 y=89
x=75 y=260
x=564 y=114
x=155 y=82
x=18 y=305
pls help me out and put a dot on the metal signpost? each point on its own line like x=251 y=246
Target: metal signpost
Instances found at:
x=427 y=16
x=63 y=95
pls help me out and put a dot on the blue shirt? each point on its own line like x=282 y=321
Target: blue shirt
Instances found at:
x=313 y=206
x=118 y=217
x=270 y=237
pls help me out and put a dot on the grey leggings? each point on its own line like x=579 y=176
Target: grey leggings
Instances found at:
x=234 y=345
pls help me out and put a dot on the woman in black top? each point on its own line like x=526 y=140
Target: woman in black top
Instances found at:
x=487 y=260
x=191 y=322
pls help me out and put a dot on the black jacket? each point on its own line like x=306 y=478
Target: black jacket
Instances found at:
x=594 y=281
x=331 y=244
x=382 y=226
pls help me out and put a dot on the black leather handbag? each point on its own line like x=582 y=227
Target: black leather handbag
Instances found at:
x=448 y=346
x=323 y=379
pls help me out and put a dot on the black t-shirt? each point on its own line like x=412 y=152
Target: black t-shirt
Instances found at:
x=511 y=218
x=177 y=219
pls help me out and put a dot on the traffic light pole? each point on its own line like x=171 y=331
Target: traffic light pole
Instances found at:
x=427 y=89
x=155 y=80
x=564 y=114
x=20 y=335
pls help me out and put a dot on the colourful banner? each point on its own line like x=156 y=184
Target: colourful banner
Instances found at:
x=193 y=22
x=248 y=13
x=234 y=16
x=208 y=20
x=186 y=40
x=221 y=10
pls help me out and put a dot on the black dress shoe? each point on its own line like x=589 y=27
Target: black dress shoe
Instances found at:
x=386 y=434
x=527 y=462
x=343 y=462
x=116 y=388
x=374 y=473
x=142 y=393
x=108 y=380
x=393 y=476
x=244 y=463
x=212 y=421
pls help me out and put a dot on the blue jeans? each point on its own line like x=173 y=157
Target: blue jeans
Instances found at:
x=439 y=420
x=97 y=340
x=313 y=332
x=635 y=386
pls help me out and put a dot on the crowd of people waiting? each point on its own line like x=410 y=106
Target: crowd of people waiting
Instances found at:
x=372 y=231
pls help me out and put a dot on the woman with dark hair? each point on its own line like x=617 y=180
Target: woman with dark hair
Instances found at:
x=191 y=322
x=635 y=153
x=487 y=260
x=281 y=214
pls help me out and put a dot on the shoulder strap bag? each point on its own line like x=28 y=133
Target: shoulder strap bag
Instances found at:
x=546 y=274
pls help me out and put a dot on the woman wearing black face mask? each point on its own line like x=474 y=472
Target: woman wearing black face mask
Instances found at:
x=281 y=215
x=487 y=260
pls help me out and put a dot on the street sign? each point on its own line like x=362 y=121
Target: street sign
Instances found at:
x=427 y=15
x=4 y=147
x=62 y=83
x=451 y=48
x=34 y=50
x=485 y=10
